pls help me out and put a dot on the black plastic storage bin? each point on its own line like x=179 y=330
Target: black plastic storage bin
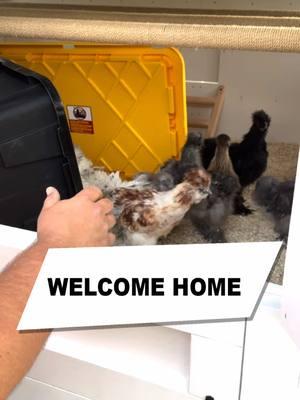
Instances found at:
x=36 y=149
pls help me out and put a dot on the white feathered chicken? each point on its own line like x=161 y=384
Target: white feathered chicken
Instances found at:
x=96 y=176
x=145 y=215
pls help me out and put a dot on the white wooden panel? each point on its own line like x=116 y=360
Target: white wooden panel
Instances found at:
x=201 y=64
x=155 y=354
x=272 y=360
x=261 y=80
x=215 y=369
x=96 y=383
x=232 y=332
x=15 y=237
x=30 y=389
x=200 y=88
x=225 y=332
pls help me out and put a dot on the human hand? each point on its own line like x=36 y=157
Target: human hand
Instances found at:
x=82 y=221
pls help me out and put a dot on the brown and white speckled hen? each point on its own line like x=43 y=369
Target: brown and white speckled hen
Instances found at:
x=145 y=215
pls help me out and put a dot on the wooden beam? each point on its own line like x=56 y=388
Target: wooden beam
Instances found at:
x=216 y=113
x=207 y=101
x=197 y=122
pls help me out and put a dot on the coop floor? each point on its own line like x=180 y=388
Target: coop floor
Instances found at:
x=258 y=226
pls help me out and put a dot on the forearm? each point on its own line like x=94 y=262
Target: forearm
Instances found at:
x=84 y=220
x=18 y=350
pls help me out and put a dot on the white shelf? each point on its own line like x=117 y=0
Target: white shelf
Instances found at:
x=153 y=354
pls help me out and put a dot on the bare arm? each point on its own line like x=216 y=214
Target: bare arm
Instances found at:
x=18 y=350
x=84 y=220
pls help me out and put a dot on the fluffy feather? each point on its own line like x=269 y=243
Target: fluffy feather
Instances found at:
x=161 y=181
x=143 y=213
x=95 y=176
x=249 y=157
x=210 y=215
x=190 y=158
x=146 y=215
x=277 y=198
x=190 y=155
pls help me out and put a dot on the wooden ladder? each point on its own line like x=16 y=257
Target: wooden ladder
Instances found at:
x=215 y=103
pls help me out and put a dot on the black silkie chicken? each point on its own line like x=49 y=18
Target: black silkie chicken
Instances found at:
x=190 y=158
x=277 y=198
x=210 y=215
x=161 y=181
x=249 y=157
x=173 y=171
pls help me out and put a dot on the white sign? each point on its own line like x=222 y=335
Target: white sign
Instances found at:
x=148 y=284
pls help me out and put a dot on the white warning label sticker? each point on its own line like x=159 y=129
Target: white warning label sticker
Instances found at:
x=80 y=119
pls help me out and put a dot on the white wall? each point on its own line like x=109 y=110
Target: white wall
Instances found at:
x=253 y=80
x=201 y=64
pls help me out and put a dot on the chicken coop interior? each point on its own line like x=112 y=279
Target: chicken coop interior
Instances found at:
x=140 y=105
x=130 y=111
x=251 y=81
x=223 y=89
x=187 y=119
x=209 y=92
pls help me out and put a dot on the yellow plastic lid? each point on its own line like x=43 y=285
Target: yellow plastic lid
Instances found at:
x=126 y=106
